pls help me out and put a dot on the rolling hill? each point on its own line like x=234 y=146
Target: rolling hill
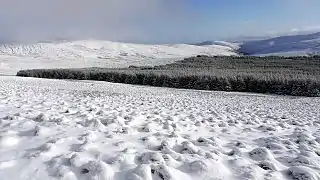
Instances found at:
x=283 y=45
x=289 y=45
x=88 y=53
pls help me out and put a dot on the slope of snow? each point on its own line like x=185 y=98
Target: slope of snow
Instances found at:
x=84 y=130
x=305 y=52
x=96 y=53
x=284 y=45
x=234 y=46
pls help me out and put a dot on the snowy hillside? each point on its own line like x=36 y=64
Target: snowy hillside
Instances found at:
x=85 y=130
x=97 y=53
x=284 y=45
x=234 y=46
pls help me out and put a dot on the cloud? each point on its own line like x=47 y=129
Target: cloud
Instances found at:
x=126 y=20
x=151 y=21
x=306 y=29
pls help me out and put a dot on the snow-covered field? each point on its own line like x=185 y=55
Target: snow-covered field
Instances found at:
x=89 y=53
x=84 y=130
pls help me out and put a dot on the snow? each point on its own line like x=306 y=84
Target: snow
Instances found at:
x=232 y=45
x=85 y=130
x=293 y=45
x=305 y=52
x=89 y=53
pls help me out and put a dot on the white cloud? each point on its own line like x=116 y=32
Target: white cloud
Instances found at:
x=306 y=29
x=110 y=19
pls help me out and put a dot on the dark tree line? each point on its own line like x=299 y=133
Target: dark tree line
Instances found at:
x=297 y=76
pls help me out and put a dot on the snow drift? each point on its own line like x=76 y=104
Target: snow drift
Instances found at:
x=85 y=130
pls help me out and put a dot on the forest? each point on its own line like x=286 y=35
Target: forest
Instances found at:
x=296 y=76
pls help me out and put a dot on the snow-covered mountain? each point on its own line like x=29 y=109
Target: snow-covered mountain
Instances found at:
x=284 y=45
x=88 y=53
x=234 y=46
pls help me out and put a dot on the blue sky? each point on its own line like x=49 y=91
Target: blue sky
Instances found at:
x=256 y=17
x=155 y=21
